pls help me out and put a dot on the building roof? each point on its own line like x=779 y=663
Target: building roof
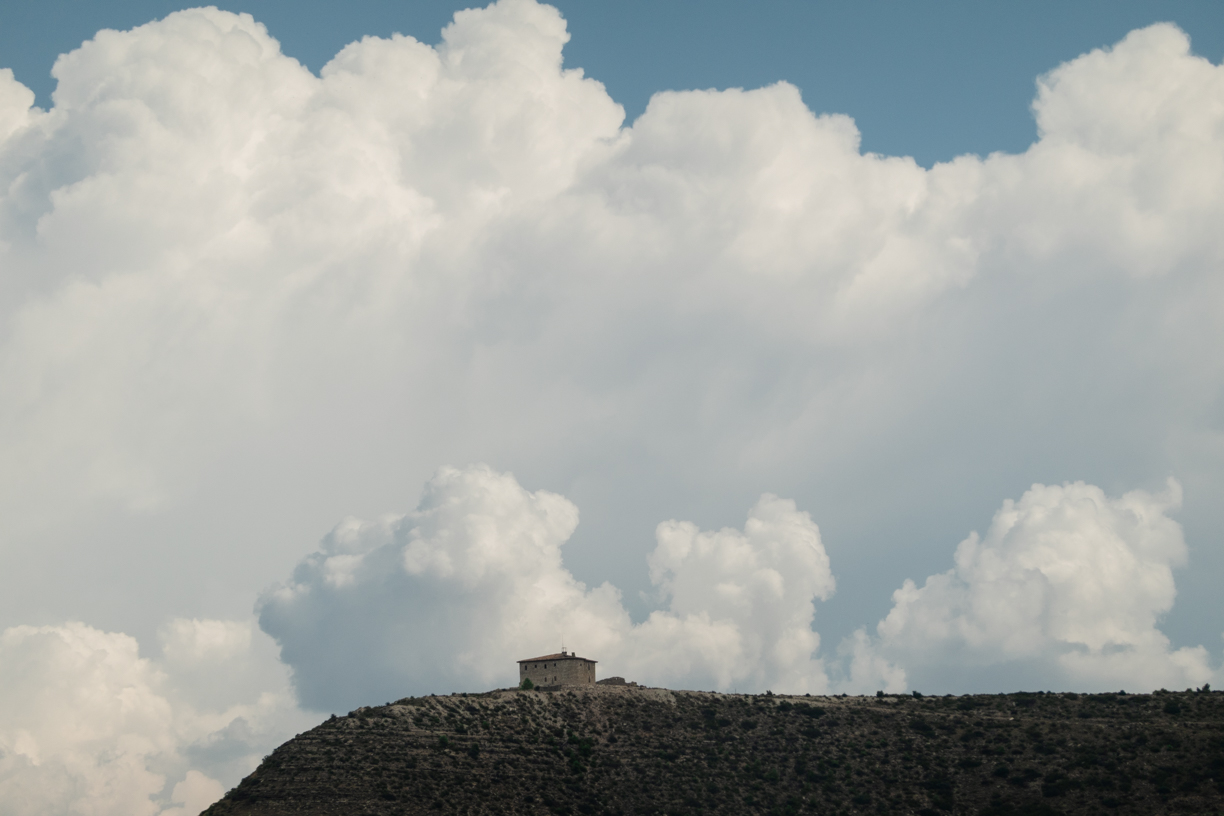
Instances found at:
x=558 y=656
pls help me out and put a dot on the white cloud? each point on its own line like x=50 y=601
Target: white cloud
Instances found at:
x=449 y=596
x=193 y=795
x=227 y=278
x=88 y=726
x=16 y=104
x=1068 y=585
x=189 y=643
x=739 y=604
x=409 y=171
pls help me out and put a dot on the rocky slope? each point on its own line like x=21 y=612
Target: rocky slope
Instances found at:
x=629 y=751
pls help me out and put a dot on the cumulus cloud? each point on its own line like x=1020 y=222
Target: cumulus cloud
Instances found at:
x=1066 y=588
x=212 y=256
x=449 y=596
x=739 y=603
x=88 y=726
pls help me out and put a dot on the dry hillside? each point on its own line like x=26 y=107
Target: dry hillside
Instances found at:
x=635 y=751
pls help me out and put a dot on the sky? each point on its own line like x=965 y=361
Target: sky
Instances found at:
x=354 y=352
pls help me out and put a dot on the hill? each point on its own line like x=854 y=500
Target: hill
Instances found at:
x=622 y=751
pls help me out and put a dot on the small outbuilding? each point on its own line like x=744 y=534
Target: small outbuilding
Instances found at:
x=561 y=669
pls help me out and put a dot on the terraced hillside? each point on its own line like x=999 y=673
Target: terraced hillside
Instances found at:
x=637 y=751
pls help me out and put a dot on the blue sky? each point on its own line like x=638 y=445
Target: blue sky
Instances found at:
x=928 y=80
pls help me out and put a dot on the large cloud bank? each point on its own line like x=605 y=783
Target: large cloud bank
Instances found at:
x=225 y=278
x=448 y=597
x=88 y=726
x=239 y=301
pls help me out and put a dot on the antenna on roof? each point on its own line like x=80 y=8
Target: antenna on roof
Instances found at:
x=563 y=644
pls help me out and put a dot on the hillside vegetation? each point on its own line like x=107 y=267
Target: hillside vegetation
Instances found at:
x=617 y=751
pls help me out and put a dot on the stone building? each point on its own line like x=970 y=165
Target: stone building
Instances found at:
x=563 y=669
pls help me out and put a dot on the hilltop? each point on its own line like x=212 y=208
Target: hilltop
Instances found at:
x=624 y=751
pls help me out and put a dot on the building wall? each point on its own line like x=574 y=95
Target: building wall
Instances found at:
x=563 y=671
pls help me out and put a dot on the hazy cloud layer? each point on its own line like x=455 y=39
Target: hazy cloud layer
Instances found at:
x=239 y=301
x=448 y=597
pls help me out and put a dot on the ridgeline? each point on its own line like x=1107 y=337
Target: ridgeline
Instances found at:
x=623 y=751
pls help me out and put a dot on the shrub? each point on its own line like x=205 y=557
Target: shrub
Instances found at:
x=526 y=685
